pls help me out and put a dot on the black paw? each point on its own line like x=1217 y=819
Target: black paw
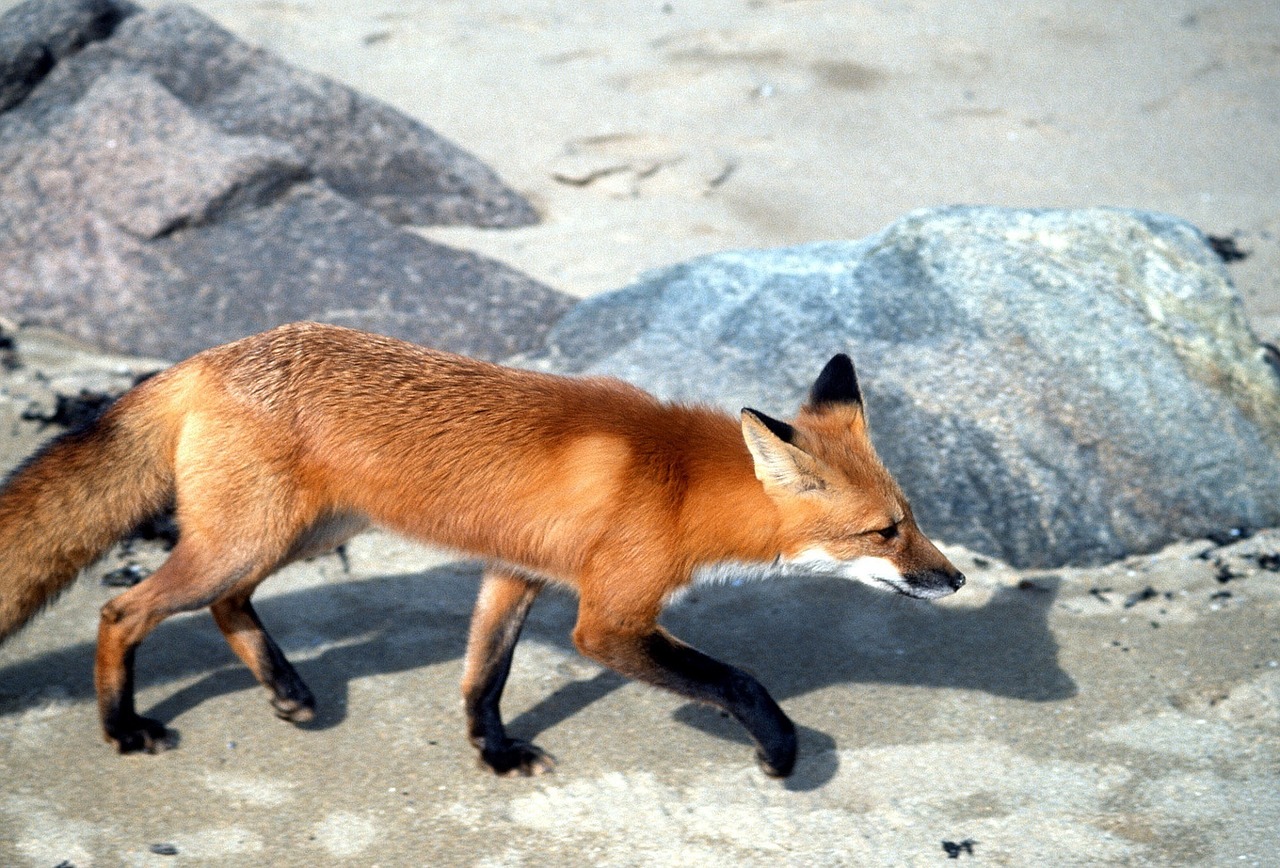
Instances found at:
x=776 y=767
x=518 y=759
x=141 y=735
x=778 y=758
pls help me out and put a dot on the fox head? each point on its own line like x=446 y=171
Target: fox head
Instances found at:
x=843 y=514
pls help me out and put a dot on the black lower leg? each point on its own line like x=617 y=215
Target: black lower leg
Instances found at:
x=490 y=652
x=499 y=751
x=290 y=696
x=123 y=725
x=689 y=672
x=243 y=630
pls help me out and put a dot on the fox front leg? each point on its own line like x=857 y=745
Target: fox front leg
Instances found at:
x=501 y=608
x=656 y=657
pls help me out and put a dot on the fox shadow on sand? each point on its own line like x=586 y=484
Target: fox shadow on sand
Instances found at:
x=796 y=635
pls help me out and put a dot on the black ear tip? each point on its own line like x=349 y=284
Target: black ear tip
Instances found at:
x=837 y=384
x=842 y=365
x=782 y=430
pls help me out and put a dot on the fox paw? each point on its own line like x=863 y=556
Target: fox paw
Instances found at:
x=294 y=710
x=141 y=735
x=518 y=759
x=778 y=759
x=779 y=768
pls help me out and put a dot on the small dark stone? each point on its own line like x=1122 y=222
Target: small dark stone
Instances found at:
x=1269 y=561
x=1147 y=593
x=164 y=849
x=125 y=577
x=1224 y=573
x=953 y=849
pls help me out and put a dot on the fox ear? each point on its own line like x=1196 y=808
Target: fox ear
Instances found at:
x=778 y=462
x=837 y=384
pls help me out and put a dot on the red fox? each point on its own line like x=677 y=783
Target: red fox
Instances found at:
x=285 y=444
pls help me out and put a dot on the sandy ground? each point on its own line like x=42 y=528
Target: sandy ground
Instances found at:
x=650 y=132
x=1128 y=714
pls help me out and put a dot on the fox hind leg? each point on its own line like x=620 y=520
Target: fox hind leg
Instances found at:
x=190 y=579
x=243 y=630
x=240 y=626
x=236 y=618
x=501 y=608
x=221 y=556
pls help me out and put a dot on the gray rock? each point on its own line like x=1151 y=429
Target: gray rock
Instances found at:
x=166 y=188
x=362 y=148
x=1050 y=387
x=137 y=226
x=35 y=36
x=293 y=254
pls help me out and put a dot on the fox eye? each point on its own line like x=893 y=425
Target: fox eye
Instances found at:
x=886 y=533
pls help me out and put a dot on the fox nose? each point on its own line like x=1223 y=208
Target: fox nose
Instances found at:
x=957 y=580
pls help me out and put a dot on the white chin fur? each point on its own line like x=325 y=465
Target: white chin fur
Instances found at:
x=876 y=572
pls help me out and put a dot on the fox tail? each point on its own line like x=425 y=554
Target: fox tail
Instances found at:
x=65 y=505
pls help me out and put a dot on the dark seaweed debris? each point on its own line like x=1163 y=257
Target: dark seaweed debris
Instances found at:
x=1269 y=561
x=1226 y=248
x=161 y=527
x=1224 y=572
x=1230 y=535
x=73 y=411
x=8 y=352
x=1146 y=593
